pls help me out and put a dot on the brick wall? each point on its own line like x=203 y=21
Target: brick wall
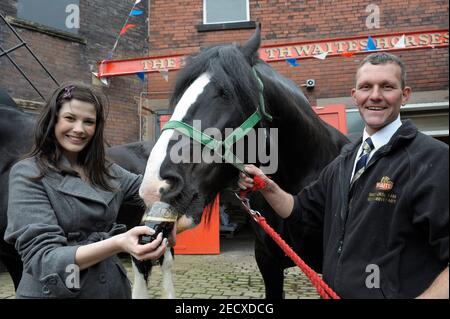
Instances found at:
x=173 y=31
x=100 y=23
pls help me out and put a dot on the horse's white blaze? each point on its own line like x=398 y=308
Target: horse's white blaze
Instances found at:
x=152 y=184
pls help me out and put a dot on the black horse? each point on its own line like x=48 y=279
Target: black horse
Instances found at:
x=222 y=87
x=16 y=135
x=16 y=129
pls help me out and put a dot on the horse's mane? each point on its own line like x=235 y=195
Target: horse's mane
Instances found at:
x=292 y=110
x=229 y=70
x=295 y=106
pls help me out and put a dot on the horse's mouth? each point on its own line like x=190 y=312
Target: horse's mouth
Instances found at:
x=187 y=207
x=185 y=223
x=187 y=218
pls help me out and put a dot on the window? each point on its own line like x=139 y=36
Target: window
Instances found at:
x=62 y=15
x=225 y=11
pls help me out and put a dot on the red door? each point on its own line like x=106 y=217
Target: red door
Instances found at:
x=334 y=115
x=203 y=239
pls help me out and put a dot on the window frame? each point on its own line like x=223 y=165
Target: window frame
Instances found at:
x=226 y=22
x=27 y=20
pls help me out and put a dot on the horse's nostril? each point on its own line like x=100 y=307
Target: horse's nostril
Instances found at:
x=174 y=185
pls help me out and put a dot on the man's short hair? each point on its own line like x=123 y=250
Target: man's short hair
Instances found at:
x=384 y=58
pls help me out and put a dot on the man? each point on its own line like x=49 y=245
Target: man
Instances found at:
x=382 y=204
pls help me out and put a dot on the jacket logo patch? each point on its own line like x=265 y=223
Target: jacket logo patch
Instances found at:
x=383 y=192
x=385 y=184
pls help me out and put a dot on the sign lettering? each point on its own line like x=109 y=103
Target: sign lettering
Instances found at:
x=304 y=50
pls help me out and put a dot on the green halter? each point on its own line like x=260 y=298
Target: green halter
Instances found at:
x=235 y=136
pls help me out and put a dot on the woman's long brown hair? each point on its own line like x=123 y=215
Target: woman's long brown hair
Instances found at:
x=46 y=148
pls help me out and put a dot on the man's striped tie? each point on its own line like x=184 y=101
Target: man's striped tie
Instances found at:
x=362 y=161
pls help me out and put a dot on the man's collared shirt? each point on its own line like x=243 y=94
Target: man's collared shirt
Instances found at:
x=379 y=139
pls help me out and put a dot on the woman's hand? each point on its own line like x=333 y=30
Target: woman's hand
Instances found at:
x=88 y=255
x=154 y=250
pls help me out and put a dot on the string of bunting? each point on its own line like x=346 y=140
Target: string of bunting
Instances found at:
x=293 y=62
x=126 y=26
x=371 y=46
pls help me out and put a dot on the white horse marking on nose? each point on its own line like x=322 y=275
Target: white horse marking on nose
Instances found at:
x=153 y=182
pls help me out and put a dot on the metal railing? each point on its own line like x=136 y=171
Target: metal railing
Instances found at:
x=22 y=43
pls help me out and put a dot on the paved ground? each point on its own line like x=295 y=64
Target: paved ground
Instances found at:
x=231 y=274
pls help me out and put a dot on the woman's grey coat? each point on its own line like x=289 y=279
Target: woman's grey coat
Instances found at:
x=50 y=218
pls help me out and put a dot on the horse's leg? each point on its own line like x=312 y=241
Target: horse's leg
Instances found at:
x=267 y=253
x=11 y=259
x=273 y=274
x=140 y=290
x=166 y=268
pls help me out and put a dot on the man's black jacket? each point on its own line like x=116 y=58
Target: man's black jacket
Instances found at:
x=389 y=239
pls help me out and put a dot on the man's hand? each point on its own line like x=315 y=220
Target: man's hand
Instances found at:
x=280 y=201
x=247 y=182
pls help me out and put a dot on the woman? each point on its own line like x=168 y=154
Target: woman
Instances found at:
x=63 y=201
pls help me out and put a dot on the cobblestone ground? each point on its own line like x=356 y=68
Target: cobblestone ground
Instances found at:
x=231 y=274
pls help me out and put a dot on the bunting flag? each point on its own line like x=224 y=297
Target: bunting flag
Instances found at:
x=371 y=44
x=321 y=56
x=400 y=43
x=104 y=81
x=348 y=54
x=141 y=75
x=126 y=27
x=292 y=62
x=165 y=74
x=134 y=13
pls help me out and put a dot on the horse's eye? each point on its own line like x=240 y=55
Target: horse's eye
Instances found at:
x=224 y=93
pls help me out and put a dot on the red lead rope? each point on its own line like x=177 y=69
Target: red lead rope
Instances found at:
x=322 y=288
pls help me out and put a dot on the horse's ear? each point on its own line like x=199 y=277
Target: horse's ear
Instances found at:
x=250 y=49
